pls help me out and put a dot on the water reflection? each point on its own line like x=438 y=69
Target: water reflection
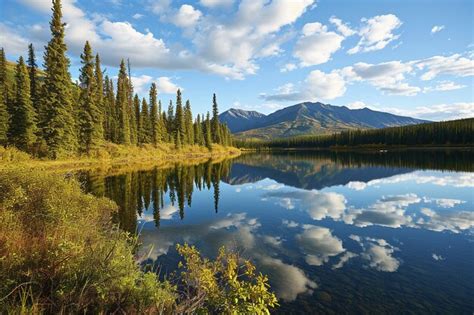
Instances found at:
x=332 y=230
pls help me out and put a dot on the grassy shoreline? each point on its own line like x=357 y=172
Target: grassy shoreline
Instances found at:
x=112 y=155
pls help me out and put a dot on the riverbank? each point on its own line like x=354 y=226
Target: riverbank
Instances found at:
x=112 y=155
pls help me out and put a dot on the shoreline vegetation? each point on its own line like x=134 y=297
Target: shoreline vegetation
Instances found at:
x=112 y=155
x=61 y=253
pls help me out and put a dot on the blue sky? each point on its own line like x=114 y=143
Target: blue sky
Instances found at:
x=406 y=57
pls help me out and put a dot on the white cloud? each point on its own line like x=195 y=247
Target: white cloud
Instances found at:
x=437 y=28
x=454 y=221
x=187 y=16
x=141 y=84
x=137 y=16
x=344 y=258
x=216 y=3
x=288 y=67
x=376 y=33
x=166 y=86
x=444 y=86
x=400 y=89
x=286 y=280
x=455 y=65
x=378 y=253
x=437 y=111
x=316 y=44
x=342 y=28
x=290 y=224
x=319 y=244
x=356 y=185
x=319 y=205
x=11 y=41
x=317 y=86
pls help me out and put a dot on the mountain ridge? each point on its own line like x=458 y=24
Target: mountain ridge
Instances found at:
x=309 y=118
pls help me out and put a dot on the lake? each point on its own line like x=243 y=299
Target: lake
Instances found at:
x=336 y=232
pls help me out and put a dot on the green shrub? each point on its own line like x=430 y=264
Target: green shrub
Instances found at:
x=60 y=253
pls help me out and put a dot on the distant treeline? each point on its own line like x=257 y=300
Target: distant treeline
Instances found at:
x=455 y=132
x=44 y=113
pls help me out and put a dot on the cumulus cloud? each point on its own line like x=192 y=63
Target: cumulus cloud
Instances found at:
x=378 y=253
x=376 y=33
x=317 y=86
x=319 y=244
x=316 y=44
x=287 y=281
x=187 y=16
x=141 y=84
x=388 y=211
x=229 y=48
x=454 y=221
x=437 y=28
x=319 y=205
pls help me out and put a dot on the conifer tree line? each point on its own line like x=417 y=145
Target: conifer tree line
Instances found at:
x=453 y=132
x=44 y=113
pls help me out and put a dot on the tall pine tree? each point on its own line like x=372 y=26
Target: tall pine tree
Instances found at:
x=121 y=104
x=154 y=116
x=188 y=123
x=179 y=117
x=215 y=131
x=4 y=116
x=90 y=124
x=59 y=126
x=145 y=124
x=22 y=132
x=99 y=99
x=33 y=74
x=207 y=132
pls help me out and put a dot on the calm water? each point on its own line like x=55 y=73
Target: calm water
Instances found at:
x=336 y=233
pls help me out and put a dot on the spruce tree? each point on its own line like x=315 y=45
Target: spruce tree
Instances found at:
x=179 y=116
x=22 y=132
x=136 y=106
x=145 y=124
x=170 y=122
x=121 y=104
x=154 y=118
x=110 y=112
x=99 y=99
x=188 y=122
x=207 y=132
x=215 y=121
x=88 y=136
x=4 y=116
x=196 y=127
x=131 y=112
x=33 y=75
x=58 y=123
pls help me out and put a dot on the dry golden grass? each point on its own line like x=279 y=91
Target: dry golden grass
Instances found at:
x=111 y=155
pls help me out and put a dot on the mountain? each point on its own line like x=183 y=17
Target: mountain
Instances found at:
x=309 y=118
x=240 y=120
